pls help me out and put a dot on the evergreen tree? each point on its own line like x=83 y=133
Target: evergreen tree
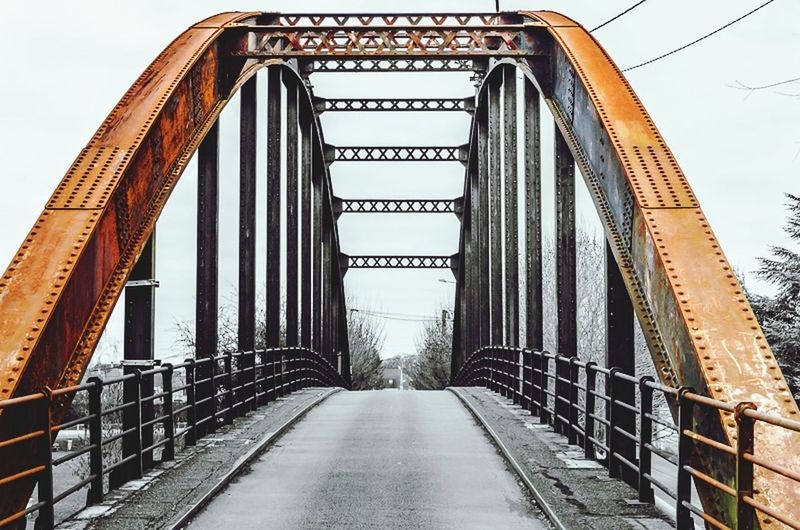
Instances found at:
x=780 y=315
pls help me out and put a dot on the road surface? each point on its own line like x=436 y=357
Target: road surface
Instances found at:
x=385 y=459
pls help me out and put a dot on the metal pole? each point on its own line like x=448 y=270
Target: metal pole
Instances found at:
x=273 y=206
x=246 y=338
x=306 y=130
x=533 y=221
x=495 y=213
x=139 y=338
x=566 y=340
x=620 y=354
x=207 y=311
x=511 y=198
x=291 y=214
x=482 y=318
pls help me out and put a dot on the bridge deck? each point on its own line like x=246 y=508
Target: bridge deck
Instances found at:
x=378 y=459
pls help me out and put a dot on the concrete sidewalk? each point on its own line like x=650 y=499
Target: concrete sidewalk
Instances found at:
x=168 y=492
x=577 y=492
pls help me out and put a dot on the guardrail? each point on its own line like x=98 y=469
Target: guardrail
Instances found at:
x=564 y=393
x=209 y=392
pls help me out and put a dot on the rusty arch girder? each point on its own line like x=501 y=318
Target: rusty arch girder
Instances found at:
x=58 y=292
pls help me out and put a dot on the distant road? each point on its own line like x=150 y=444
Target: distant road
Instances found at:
x=385 y=459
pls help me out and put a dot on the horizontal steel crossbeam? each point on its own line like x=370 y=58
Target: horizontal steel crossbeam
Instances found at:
x=396 y=262
x=394 y=64
x=338 y=42
x=396 y=153
x=382 y=19
x=397 y=206
x=394 y=105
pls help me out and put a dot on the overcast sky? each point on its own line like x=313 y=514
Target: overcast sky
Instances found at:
x=66 y=64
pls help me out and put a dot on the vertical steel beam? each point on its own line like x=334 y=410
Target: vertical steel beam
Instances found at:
x=291 y=214
x=533 y=221
x=207 y=311
x=473 y=253
x=495 y=213
x=511 y=198
x=316 y=179
x=273 y=205
x=246 y=338
x=306 y=130
x=327 y=269
x=620 y=354
x=139 y=341
x=482 y=320
x=566 y=334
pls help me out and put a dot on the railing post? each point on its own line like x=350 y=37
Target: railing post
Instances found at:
x=557 y=387
x=613 y=470
x=228 y=360
x=745 y=515
x=95 y=494
x=136 y=438
x=544 y=415
x=572 y=435
x=684 y=489
x=169 y=411
x=645 y=439
x=527 y=360
x=191 y=412
x=46 y=516
x=519 y=395
x=588 y=420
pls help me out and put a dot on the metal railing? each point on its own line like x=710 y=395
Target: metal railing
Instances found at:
x=194 y=398
x=568 y=393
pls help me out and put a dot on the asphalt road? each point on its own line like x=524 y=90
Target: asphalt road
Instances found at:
x=385 y=459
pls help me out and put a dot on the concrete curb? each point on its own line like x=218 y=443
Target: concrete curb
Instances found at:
x=546 y=508
x=243 y=461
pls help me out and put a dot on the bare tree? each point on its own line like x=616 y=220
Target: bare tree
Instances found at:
x=366 y=337
x=431 y=367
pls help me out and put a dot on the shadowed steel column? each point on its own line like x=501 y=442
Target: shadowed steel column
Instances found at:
x=482 y=270
x=511 y=198
x=327 y=269
x=246 y=338
x=306 y=131
x=533 y=222
x=139 y=337
x=473 y=281
x=291 y=214
x=566 y=334
x=273 y=205
x=207 y=272
x=620 y=354
x=317 y=241
x=495 y=213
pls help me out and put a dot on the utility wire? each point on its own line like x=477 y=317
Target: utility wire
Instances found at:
x=612 y=19
x=704 y=37
x=742 y=86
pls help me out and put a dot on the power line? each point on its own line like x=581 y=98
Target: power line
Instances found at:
x=704 y=37
x=742 y=86
x=612 y=19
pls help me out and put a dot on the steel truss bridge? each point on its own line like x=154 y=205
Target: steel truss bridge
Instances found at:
x=735 y=418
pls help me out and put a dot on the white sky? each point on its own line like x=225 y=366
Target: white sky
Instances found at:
x=65 y=65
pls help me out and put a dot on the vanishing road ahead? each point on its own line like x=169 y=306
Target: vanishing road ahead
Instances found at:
x=375 y=460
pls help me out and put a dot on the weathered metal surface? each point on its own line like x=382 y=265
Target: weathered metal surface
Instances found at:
x=392 y=64
x=397 y=154
x=385 y=19
x=246 y=330
x=511 y=245
x=395 y=262
x=699 y=325
x=393 y=104
x=292 y=214
x=394 y=206
x=495 y=304
x=534 y=311
x=274 y=192
x=376 y=41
